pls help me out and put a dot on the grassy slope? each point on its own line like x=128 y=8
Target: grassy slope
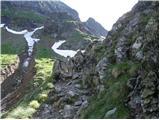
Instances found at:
x=36 y=92
x=7 y=59
x=115 y=93
x=21 y=16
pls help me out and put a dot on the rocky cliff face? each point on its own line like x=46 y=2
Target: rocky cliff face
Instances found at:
x=95 y=27
x=135 y=37
x=120 y=74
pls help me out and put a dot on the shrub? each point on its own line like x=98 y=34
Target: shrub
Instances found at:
x=42 y=97
x=34 y=104
x=50 y=85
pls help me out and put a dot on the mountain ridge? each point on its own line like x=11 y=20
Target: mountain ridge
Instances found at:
x=95 y=27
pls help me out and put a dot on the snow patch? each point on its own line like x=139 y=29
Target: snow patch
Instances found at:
x=2 y=25
x=16 y=32
x=65 y=53
x=27 y=36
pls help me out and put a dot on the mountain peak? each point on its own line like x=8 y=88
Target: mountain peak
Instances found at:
x=95 y=27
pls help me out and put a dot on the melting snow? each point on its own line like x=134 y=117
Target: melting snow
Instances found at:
x=27 y=36
x=31 y=41
x=2 y=25
x=16 y=32
x=64 y=53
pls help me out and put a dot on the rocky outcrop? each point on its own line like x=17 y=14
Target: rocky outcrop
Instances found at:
x=9 y=70
x=66 y=100
x=95 y=28
x=76 y=79
x=135 y=37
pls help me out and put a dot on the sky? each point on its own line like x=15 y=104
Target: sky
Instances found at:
x=106 y=12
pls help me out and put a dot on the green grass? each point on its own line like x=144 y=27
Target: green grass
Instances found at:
x=11 y=43
x=77 y=35
x=43 y=52
x=10 y=48
x=78 y=39
x=36 y=92
x=99 y=51
x=115 y=93
x=7 y=59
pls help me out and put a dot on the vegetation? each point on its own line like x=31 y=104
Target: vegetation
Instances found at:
x=114 y=94
x=78 y=35
x=7 y=59
x=43 y=52
x=22 y=15
x=99 y=51
x=36 y=92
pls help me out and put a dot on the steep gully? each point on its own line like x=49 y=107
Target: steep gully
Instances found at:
x=15 y=77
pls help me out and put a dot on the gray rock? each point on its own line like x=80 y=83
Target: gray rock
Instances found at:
x=77 y=85
x=110 y=112
x=67 y=112
x=139 y=55
x=58 y=88
x=71 y=93
x=78 y=103
x=101 y=67
x=121 y=49
x=85 y=104
x=136 y=45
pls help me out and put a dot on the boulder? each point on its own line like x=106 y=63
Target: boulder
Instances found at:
x=110 y=112
x=67 y=111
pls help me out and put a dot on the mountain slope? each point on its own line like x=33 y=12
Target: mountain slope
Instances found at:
x=131 y=76
x=114 y=78
x=95 y=28
x=59 y=20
